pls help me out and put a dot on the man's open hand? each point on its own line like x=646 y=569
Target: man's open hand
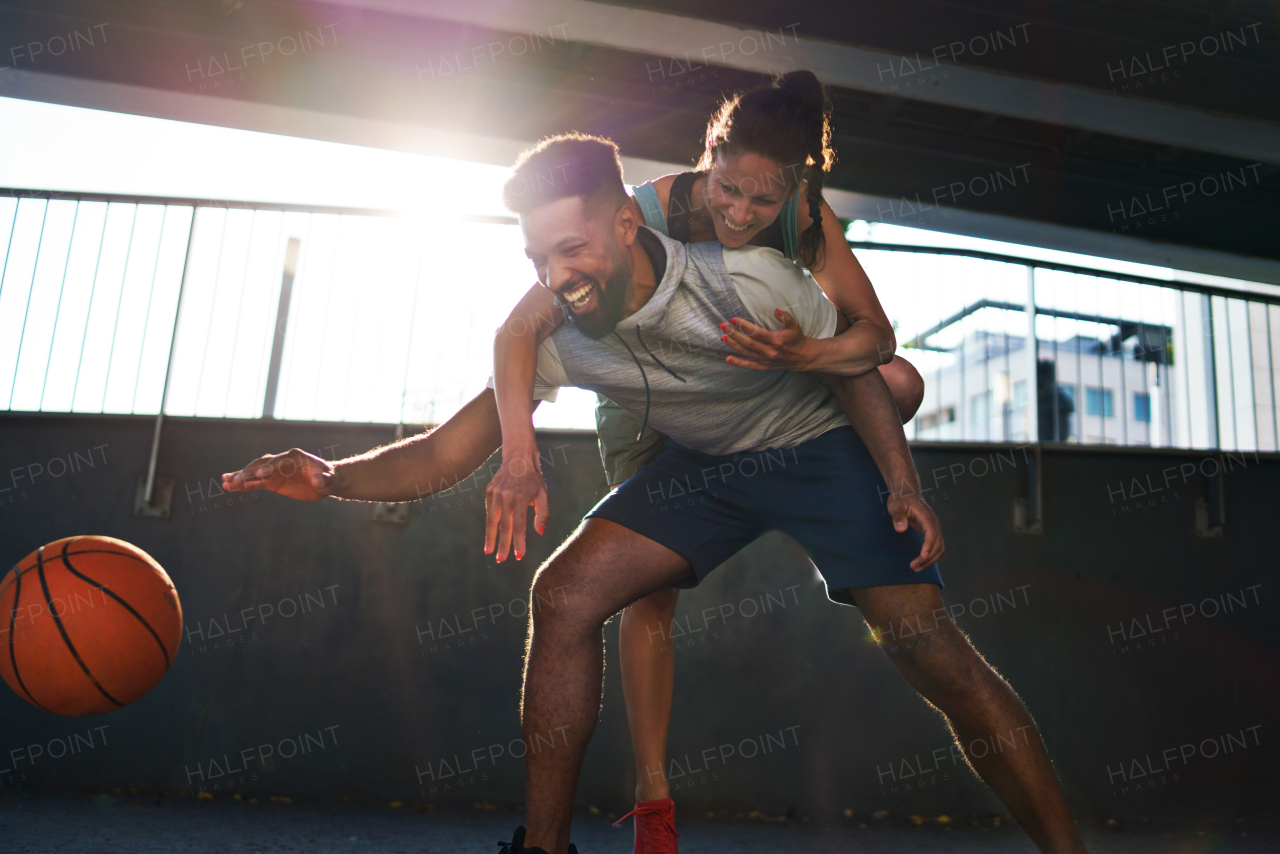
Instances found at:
x=915 y=511
x=517 y=485
x=294 y=474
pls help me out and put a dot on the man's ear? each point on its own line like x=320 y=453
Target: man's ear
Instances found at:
x=626 y=223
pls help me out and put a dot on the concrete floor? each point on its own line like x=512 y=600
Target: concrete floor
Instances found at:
x=47 y=823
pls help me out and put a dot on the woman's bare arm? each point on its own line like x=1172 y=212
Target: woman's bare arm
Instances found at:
x=868 y=342
x=866 y=402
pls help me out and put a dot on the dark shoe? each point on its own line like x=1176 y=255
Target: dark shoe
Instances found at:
x=516 y=845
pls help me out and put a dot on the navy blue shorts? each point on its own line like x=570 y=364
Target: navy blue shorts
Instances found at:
x=826 y=494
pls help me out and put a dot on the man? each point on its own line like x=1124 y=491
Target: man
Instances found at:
x=637 y=301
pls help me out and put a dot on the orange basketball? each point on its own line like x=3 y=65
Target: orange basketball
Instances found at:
x=87 y=625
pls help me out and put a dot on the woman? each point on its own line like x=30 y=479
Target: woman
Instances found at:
x=760 y=183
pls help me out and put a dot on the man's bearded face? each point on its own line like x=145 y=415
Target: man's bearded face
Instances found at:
x=577 y=255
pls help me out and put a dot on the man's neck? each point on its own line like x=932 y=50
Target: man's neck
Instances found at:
x=644 y=281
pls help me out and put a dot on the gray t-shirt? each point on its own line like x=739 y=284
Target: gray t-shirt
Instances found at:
x=668 y=355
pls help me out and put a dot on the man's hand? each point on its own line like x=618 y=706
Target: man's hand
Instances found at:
x=506 y=504
x=787 y=349
x=915 y=511
x=294 y=474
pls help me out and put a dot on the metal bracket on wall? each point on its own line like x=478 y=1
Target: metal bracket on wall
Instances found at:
x=1211 y=513
x=1028 y=512
x=160 y=502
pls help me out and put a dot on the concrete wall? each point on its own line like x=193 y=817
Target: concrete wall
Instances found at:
x=785 y=704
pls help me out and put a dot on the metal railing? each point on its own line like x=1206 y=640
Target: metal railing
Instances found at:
x=390 y=318
x=1018 y=350
x=114 y=303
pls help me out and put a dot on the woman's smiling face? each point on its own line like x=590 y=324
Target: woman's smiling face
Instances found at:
x=745 y=193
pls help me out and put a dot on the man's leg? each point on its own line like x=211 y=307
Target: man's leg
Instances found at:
x=648 y=661
x=600 y=570
x=990 y=724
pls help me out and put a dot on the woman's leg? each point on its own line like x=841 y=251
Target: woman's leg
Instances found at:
x=648 y=676
x=905 y=384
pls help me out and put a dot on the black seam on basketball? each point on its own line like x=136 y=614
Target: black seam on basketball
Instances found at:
x=13 y=659
x=110 y=552
x=16 y=573
x=57 y=621
x=19 y=570
x=78 y=574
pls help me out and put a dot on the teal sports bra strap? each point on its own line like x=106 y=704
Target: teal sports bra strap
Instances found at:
x=647 y=196
x=654 y=217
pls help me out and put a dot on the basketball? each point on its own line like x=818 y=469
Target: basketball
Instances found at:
x=87 y=625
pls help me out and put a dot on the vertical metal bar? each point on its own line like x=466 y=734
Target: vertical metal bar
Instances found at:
x=1185 y=362
x=989 y=394
x=13 y=226
x=1253 y=385
x=1054 y=389
x=115 y=326
x=1231 y=378
x=217 y=276
x=1102 y=383
x=1080 y=392
x=88 y=313
x=293 y=342
x=1210 y=368
x=1006 y=408
x=1124 y=386
x=264 y=364
x=146 y=318
x=1033 y=358
x=168 y=369
x=35 y=266
x=941 y=405
x=1271 y=380
x=235 y=336
x=282 y=326
x=964 y=400
x=57 y=311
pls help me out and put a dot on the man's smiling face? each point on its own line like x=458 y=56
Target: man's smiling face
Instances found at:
x=574 y=247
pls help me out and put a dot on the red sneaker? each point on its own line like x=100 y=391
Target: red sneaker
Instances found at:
x=655 y=827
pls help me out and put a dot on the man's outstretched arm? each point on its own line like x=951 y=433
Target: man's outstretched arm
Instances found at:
x=404 y=471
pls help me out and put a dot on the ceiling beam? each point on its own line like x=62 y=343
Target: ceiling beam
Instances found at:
x=669 y=36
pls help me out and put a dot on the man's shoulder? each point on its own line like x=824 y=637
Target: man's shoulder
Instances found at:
x=760 y=262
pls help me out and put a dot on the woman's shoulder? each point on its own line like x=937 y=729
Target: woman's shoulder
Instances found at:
x=662 y=187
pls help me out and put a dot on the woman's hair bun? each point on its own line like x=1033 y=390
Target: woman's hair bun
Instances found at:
x=803 y=86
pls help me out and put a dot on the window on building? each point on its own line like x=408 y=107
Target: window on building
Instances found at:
x=1098 y=401
x=938 y=418
x=1142 y=406
x=979 y=415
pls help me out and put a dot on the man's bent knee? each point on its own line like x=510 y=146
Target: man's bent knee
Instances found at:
x=916 y=642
